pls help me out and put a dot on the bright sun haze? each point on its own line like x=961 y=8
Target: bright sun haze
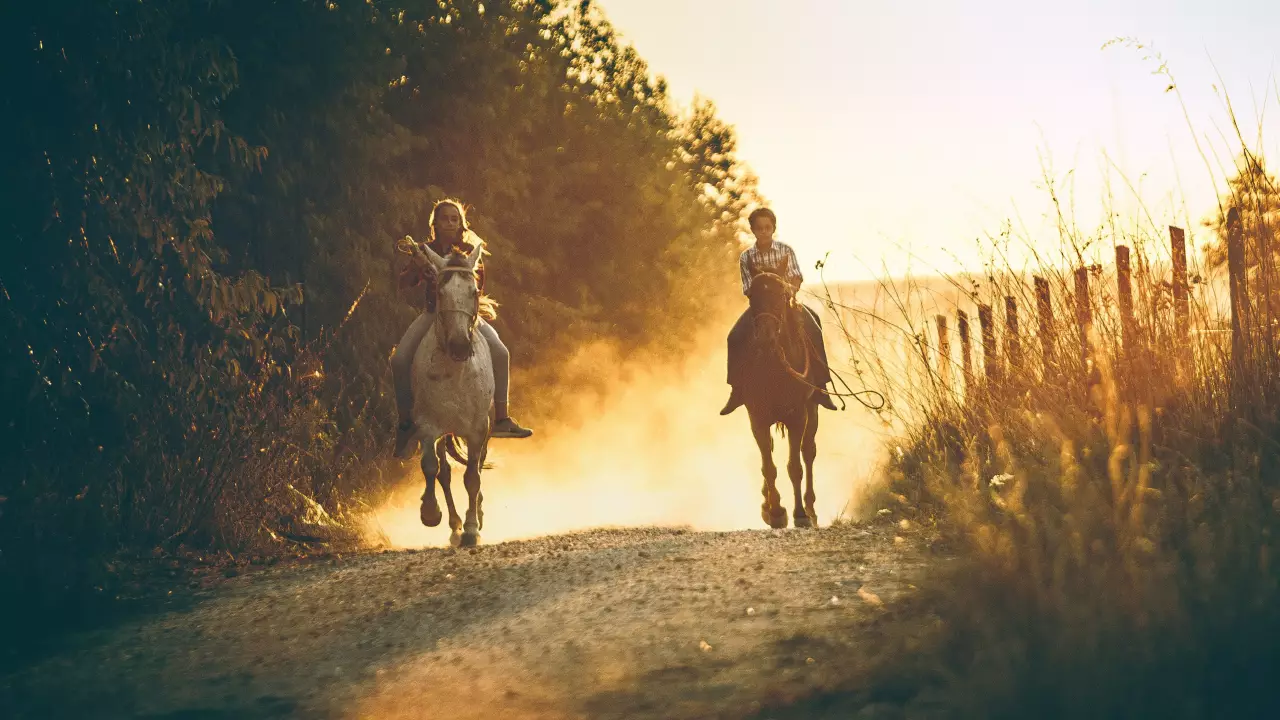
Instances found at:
x=887 y=131
x=650 y=450
x=892 y=137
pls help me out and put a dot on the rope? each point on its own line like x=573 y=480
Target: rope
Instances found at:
x=803 y=377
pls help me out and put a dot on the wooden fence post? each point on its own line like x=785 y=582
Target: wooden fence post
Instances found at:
x=1013 y=346
x=1239 y=287
x=1044 y=309
x=1084 y=315
x=1267 y=263
x=1181 y=300
x=990 y=361
x=944 y=350
x=1124 y=293
x=966 y=348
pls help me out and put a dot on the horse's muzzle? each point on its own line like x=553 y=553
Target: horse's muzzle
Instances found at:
x=459 y=351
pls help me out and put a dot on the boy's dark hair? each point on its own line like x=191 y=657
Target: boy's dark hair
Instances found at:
x=759 y=213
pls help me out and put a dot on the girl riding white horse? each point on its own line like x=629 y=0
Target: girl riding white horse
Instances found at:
x=453 y=389
x=449 y=232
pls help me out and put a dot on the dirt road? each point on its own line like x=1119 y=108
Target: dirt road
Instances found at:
x=637 y=623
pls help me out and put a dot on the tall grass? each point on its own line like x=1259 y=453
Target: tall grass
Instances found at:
x=1117 y=512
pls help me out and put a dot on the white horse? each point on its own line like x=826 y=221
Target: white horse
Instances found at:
x=452 y=392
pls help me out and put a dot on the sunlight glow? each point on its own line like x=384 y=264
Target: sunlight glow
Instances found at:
x=653 y=451
x=902 y=138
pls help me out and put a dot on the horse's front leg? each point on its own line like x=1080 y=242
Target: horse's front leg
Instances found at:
x=795 y=471
x=446 y=484
x=771 y=511
x=430 y=510
x=809 y=450
x=480 y=495
x=476 y=450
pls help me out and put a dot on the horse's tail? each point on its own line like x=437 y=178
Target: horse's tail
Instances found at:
x=454 y=449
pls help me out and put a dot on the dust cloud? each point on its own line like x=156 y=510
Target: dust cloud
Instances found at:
x=636 y=441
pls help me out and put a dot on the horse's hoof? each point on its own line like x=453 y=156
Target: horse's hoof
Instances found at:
x=779 y=519
x=455 y=539
x=768 y=515
x=430 y=515
x=469 y=539
x=802 y=521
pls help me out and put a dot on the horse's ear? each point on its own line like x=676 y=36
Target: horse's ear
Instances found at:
x=474 y=258
x=434 y=257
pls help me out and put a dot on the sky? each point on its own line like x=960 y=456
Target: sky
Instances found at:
x=902 y=136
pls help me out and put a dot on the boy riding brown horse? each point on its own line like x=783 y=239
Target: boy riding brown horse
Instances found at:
x=778 y=259
x=779 y=391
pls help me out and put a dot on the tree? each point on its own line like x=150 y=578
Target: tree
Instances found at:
x=1256 y=193
x=196 y=241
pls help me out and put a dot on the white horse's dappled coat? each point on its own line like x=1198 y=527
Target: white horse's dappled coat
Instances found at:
x=452 y=381
x=451 y=397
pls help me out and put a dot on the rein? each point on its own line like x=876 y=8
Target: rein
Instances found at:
x=407 y=246
x=802 y=376
x=473 y=316
x=781 y=351
x=440 y=278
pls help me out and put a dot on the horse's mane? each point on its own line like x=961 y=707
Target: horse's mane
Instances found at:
x=488 y=306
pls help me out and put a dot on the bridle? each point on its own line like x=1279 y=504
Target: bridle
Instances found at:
x=809 y=352
x=781 y=353
x=758 y=316
x=473 y=315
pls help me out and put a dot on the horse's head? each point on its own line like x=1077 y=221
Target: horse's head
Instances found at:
x=457 y=301
x=770 y=301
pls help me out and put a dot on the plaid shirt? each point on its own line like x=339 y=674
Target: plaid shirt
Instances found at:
x=779 y=259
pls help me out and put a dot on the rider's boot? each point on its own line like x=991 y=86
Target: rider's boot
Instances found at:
x=505 y=427
x=405 y=443
x=735 y=401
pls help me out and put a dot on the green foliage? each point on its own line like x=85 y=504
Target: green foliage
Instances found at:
x=196 y=243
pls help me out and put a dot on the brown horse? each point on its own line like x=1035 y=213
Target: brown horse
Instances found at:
x=779 y=391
